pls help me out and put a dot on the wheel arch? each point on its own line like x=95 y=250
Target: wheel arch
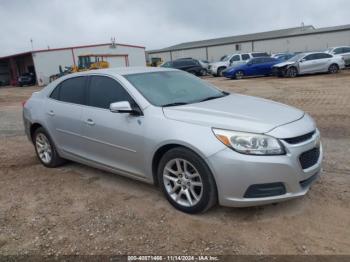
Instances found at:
x=33 y=128
x=161 y=150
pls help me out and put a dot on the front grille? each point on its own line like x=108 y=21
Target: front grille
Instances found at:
x=309 y=158
x=299 y=139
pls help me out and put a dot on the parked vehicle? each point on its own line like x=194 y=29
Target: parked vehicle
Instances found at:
x=284 y=56
x=189 y=65
x=164 y=126
x=309 y=63
x=204 y=64
x=27 y=79
x=260 y=66
x=343 y=51
x=217 y=68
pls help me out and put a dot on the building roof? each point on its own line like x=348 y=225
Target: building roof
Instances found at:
x=67 y=48
x=294 y=31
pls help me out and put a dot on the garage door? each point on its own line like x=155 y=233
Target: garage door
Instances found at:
x=117 y=61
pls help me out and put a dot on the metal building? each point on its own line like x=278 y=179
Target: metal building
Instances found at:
x=297 y=39
x=45 y=63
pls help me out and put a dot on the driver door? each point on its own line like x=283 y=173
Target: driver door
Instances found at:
x=307 y=64
x=114 y=140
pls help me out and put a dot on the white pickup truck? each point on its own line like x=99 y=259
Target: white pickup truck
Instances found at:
x=343 y=51
x=217 y=68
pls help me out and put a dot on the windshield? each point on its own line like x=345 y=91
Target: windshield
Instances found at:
x=172 y=87
x=224 y=58
x=296 y=58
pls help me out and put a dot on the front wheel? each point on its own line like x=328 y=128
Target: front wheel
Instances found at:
x=186 y=181
x=292 y=72
x=220 y=70
x=239 y=75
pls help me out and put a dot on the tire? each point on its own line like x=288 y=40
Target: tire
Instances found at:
x=42 y=141
x=333 y=69
x=239 y=75
x=203 y=72
x=220 y=71
x=292 y=72
x=197 y=183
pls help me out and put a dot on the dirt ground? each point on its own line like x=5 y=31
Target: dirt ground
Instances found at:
x=80 y=210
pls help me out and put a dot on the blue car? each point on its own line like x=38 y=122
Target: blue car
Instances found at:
x=258 y=66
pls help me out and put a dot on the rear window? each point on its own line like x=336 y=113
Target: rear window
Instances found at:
x=73 y=90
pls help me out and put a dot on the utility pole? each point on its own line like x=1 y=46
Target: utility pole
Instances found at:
x=31 y=43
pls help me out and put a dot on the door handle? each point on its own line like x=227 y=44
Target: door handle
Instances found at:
x=90 y=122
x=51 y=113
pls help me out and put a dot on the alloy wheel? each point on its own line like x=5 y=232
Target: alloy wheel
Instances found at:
x=43 y=148
x=333 y=69
x=182 y=182
x=239 y=75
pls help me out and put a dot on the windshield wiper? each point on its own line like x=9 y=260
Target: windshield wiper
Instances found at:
x=214 y=97
x=175 y=104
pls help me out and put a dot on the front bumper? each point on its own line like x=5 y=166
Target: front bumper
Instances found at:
x=234 y=173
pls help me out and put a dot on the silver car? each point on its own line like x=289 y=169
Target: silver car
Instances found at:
x=202 y=146
x=310 y=63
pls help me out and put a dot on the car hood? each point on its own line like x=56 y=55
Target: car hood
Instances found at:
x=286 y=63
x=236 y=112
x=217 y=64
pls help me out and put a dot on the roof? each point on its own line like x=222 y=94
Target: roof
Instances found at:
x=68 y=48
x=125 y=70
x=294 y=31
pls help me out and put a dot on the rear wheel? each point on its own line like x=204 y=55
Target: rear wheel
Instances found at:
x=239 y=74
x=186 y=181
x=45 y=149
x=333 y=69
x=292 y=72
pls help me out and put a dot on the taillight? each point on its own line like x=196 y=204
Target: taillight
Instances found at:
x=24 y=103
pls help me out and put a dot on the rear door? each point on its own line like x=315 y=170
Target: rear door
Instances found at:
x=323 y=62
x=63 y=114
x=114 y=140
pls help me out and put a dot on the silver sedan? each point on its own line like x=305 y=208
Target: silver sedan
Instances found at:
x=200 y=145
x=310 y=63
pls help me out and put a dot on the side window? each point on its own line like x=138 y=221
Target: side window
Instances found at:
x=56 y=93
x=73 y=90
x=178 y=64
x=245 y=57
x=338 y=51
x=104 y=90
x=309 y=57
x=323 y=56
x=235 y=58
x=346 y=49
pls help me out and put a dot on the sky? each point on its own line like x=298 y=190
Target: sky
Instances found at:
x=153 y=23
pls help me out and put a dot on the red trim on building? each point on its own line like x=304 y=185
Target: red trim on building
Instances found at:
x=67 y=48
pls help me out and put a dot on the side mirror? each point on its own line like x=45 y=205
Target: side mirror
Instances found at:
x=123 y=107
x=302 y=60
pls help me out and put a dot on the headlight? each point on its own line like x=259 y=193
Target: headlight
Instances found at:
x=250 y=143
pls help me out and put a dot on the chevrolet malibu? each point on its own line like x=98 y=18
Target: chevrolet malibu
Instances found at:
x=200 y=145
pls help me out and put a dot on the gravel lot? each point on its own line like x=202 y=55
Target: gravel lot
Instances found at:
x=80 y=210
